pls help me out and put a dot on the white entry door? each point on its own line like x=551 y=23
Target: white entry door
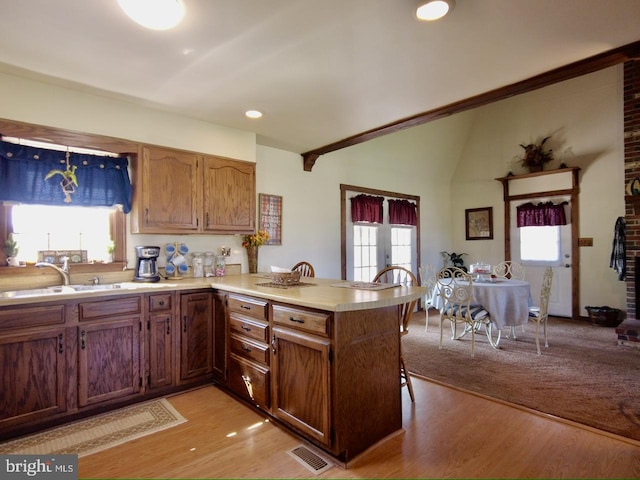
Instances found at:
x=553 y=244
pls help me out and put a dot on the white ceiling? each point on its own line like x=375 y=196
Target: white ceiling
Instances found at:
x=320 y=70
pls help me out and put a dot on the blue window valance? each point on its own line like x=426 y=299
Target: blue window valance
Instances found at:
x=102 y=181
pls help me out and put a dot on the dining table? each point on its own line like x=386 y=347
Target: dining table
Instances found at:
x=506 y=300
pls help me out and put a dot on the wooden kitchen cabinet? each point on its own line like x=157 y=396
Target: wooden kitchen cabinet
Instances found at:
x=301 y=371
x=109 y=346
x=186 y=192
x=229 y=195
x=36 y=355
x=168 y=192
x=160 y=323
x=34 y=376
x=196 y=336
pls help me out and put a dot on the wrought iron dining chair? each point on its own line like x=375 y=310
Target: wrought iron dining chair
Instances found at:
x=540 y=313
x=509 y=269
x=402 y=276
x=305 y=269
x=455 y=288
x=428 y=280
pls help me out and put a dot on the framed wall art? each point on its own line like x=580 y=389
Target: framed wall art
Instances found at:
x=479 y=223
x=270 y=217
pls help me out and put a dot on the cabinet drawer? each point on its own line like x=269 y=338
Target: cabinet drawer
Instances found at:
x=258 y=352
x=32 y=316
x=250 y=381
x=313 y=322
x=110 y=308
x=160 y=302
x=244 y=326
x=249 y=306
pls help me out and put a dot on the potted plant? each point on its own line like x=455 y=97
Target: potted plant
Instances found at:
x=11 y=251
x=69 y=180
x=535 y=156
x=111 y=248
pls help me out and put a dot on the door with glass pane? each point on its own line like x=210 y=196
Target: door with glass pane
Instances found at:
x=538 y=247
x=373 y=247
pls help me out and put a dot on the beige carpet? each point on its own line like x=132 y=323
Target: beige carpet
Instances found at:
x=98 y=433
x=583 y=376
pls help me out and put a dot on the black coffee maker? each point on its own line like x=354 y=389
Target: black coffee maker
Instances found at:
x=147 y=267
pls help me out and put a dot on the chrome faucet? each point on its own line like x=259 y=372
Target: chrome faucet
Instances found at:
x=64 y=271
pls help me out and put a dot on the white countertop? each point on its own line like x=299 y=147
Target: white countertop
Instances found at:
x=319 y=293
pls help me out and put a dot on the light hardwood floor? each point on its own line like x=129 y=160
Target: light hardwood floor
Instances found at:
x=447 y=433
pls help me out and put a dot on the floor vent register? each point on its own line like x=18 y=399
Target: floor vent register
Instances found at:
x=310 y=460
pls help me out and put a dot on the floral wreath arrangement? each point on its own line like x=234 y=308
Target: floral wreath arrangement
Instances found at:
x=535 y=156
x=255 y=240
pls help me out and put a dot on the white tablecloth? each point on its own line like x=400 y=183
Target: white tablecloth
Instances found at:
x=507 y=301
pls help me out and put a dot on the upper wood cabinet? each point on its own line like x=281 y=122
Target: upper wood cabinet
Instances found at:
x=185 y=192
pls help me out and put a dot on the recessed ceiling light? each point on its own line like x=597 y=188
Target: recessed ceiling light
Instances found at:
x=434 y=9
x=253 y=113
x=154 y=14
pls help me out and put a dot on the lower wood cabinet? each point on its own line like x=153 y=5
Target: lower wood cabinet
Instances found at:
x=196 y=335
x=160 y=348
x=109 y=346
x=301 y=382
x=35 y=378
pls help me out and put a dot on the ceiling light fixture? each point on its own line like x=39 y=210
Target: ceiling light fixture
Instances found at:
x=253 y=113
x=434 y=9
x=154 y=14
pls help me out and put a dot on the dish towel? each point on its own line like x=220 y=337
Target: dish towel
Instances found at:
x=619 y=251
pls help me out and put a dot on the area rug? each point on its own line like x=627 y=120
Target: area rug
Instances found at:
x=98 y=433
x=584 y=376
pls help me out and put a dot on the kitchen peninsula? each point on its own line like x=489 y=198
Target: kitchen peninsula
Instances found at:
x=321 y=357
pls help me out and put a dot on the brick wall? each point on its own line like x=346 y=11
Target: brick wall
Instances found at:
x=632 y=205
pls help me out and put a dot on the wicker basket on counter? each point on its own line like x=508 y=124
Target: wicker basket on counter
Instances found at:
x=285 y=278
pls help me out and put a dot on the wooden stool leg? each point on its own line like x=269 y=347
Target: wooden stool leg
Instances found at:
x=406 y=378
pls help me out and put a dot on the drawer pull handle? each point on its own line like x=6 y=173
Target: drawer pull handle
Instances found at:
x=60 y=345
x=184 y=324
x=83 y=343
x=245 y=348
x=273 y=343
x=247 y=383
x=246 y=307
x=245 y=328
x=297 y=320
x=168 y=320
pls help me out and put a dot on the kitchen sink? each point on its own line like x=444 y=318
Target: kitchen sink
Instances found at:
x=70 y=289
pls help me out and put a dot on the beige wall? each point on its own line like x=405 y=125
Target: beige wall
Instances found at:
x=451 y=163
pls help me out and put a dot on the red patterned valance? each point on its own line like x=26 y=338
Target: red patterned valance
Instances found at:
x=541 y=215
x=366 y=208
x=402 y=212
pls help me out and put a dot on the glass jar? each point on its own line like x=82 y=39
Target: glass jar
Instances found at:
x=208 y=264
x=197 y=262
x=220 y=265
